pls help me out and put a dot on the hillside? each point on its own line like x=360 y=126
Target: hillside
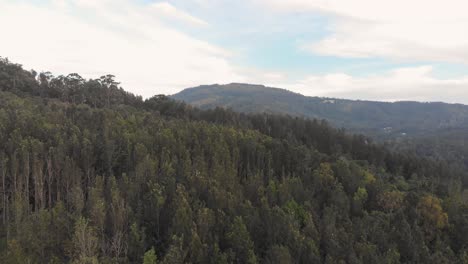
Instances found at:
x=93 y=174
x=380 y=119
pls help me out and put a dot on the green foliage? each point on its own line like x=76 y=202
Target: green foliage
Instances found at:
x=176 y=253
x=92 y=174
x=15 y=254
x=326 y=174
x=391 y=200
x=384 y=120
x=150 y=257
x=360 y=195
x=84 y=242
x=278 y=254
x=297 y=211
x=239 y=241
x=432 y=215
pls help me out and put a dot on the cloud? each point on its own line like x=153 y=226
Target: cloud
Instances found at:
x=139 y=44
x=411 y=83
x=119 y=37
x=166 y=9
x=417 y=30
x=399 y=84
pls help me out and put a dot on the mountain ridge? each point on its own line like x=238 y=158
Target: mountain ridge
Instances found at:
x=374 y=118
x=321 y=97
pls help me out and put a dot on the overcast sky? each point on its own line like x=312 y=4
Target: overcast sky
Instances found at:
x=357 y=49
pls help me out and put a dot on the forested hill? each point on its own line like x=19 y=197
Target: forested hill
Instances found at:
x=373 y=118
x=93 y=174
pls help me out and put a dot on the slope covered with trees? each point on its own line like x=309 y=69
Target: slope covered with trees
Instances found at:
x=377 y=119
x=434 y=130
x=93 y=174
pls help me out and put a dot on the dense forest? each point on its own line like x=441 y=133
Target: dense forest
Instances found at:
x=433 y=130
x=382 y=120
x=93 y=174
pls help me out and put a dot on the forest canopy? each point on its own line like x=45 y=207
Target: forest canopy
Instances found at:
x=93 y=174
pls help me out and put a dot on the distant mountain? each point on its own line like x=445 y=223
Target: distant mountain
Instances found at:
x=382 y=119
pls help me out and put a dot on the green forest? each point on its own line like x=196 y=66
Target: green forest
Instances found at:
x=91 y=173
x=381 y=120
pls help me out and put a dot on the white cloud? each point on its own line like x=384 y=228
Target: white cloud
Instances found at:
x=414 y=83
x=416 y=30
x=148 y=56
x=168 y=10
x=119 y=37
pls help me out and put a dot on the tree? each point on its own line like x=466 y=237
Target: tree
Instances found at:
x=240 y=242
x=176 y=253
x=182 y=220
x=391 y=200
x=432 y=215
x=15 y=254
x=118 y=212
x=278 y=254
x=3 y=169
x=359 y=199
x=150 y=257
x=84 y=243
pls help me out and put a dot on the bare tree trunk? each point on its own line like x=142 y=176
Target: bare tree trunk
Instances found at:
x=14 y=170
x=49 y=178
x=108 y=97
x=35 y=182
x=4 y=200
x=57 y=176
x=38 y=183
x=57 y=167
x=7 y=221
x=26 y=172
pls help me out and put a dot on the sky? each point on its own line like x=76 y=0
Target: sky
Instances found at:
x=355 y=49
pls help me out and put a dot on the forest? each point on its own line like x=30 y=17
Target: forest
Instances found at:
x=381 y=120
x=91 y=173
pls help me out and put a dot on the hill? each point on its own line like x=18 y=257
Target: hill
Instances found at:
x=378 y=119
x=93 y=174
